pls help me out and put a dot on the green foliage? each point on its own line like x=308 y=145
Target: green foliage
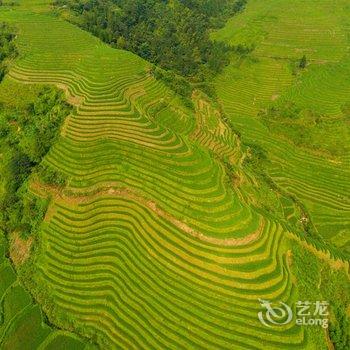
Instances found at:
x=303 y=62
x=336 y=289
x=318 y=281
x=26 y=135
x=216 y=10
x=24 y=212
x=172 y=34
x=256 y=155
x=339 y=329
x=307 y=128
x=7 y=47
x=177 y=83
x=51 y=176
x=297 y=66
x=243 y=50
x=30 y=132
x=274 y=196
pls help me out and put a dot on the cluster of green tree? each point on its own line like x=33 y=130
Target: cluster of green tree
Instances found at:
x=26 y=136
x=339 y=328
x=175 y=82
x=173 y=34
x=297 y=66
x=303 y=62
x=7 y=47
x=8 y=3
x=308 y=129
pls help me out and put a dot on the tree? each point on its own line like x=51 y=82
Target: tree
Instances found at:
x=121 y=43
x=303 y=62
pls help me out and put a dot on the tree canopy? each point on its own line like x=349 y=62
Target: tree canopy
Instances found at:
x=174 y=34
x=26 y=136
x=7 y=47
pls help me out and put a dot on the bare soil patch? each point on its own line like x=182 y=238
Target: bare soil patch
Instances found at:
x=20 y=248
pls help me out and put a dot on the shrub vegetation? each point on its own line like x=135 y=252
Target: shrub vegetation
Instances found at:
x=7 y=47
x=26 y=136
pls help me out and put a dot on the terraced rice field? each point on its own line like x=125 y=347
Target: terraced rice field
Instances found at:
x=320 y=30
x=279 y=30
x=148 y=246
x=21 y=321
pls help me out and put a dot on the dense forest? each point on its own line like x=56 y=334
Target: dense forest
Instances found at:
x=173 y=34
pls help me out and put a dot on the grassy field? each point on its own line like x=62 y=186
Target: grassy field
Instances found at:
x=158 y=240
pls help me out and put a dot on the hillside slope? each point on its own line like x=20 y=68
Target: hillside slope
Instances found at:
x=150 y=245
x=307 y=135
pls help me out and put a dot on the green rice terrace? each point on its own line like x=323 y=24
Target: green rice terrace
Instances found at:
x=150 y=208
